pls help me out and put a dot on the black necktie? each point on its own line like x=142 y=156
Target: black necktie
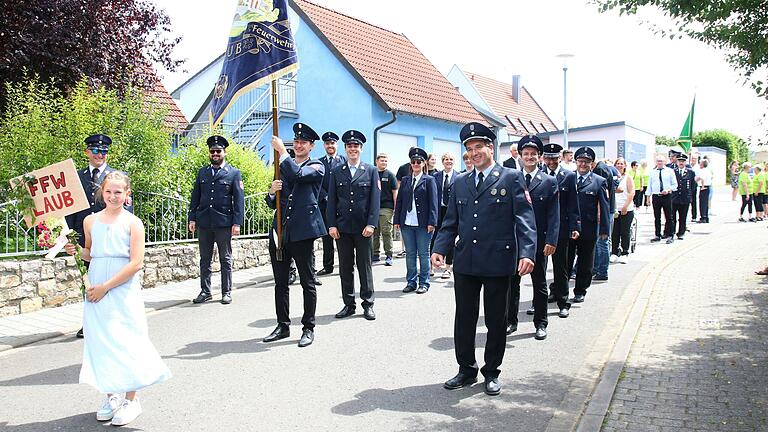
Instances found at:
x=445 y=188
x=552 y=173
x=215 y=170
x=479 y=180
x=528 y=180
x=413 y=194
x=94 y=175
x=580 y=182
x=661 y=182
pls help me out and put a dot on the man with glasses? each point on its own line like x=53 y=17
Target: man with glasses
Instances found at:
x=662 y=182
x=97 y=147
x=216 y=212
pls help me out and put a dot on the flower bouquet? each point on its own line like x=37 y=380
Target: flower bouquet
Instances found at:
x=54 y=234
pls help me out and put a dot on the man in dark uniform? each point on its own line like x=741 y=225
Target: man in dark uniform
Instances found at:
x=673 y=155
x=490 y=212
x=570 y=226
x=594 y=210
x=216 y=211
x=97 y=147
x=330 y=160
x=602 y=246
x=354 y=196
x=300 y=183
x=514 y=160
x=682 y=197
x=543 y=191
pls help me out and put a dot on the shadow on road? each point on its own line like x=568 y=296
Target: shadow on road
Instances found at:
x=59 y=376
x=78 y=422
x=208 y=350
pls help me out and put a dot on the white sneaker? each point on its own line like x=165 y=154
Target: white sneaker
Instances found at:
x=446 y=274
x=129 y=410
x=614 y=258
x=109 y=408
x=624 y=259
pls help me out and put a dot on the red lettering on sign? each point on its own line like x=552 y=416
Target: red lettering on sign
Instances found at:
x=60 y=182
x=67 y=196
x=44 y=184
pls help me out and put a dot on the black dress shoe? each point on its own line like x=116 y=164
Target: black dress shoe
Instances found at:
x=409 y=288
x=680 y=237
x=655 y=239
x=280 y=332
x=670 y=240
x=492 y=386
x=79 y=333
x=578 y=298
x=459 y=381
x=345 y=312
x=564 y=313
x=422 y=289
x=368 y=313
x=511 y=328
x=551 y=298
x=307 y=337
x=317 y=281
x=530 y=311
x=202 y=297
x=324 y=271
x=226 y=298
x=541 y=333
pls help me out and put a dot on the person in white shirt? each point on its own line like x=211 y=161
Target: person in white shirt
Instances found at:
x=661 y=183
x=567 y=161
x=704 y=179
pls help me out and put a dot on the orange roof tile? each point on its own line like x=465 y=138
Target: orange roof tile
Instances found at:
x=391 y=65
x=524 y=117
x=174 y=118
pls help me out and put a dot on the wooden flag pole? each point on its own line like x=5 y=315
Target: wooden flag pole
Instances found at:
x=276 y=164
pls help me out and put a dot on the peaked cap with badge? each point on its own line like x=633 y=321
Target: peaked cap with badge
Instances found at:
x=330 y=136
x=552 y=150
x=585 y=152
x=417 y=153
x=353 y=137
x=476 y=130
x=530 y=141
x=98 y=140
x=217 y=141
x=303 y=132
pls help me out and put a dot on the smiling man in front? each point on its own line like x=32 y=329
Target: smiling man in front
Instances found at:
x=492 y=215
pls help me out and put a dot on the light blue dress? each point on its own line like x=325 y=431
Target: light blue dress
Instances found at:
x=118 y=356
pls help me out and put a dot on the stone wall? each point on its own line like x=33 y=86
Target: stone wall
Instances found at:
x=31 y=284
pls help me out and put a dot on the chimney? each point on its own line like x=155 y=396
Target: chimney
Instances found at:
x=516 y=88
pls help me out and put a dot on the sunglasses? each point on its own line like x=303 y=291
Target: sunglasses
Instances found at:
x=96 y=150
x=416 y=161
x=214 y=151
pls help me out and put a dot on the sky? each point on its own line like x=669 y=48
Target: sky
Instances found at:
x=621 y=70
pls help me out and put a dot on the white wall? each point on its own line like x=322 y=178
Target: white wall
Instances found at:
x=191 y=97
x=717 y=159
x=396 y=147
x=442 y=146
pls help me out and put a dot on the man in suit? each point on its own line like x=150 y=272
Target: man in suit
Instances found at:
x=543 y=191
x=491 y=213
x=444 y=180
x=603 y=246
x=354 y=198
x=594 y=210
x=570 y=226
x=96 y=150
x=216 y=212
x=300 y=182
x=331 y=159
x=514 y=161
x=682 y=197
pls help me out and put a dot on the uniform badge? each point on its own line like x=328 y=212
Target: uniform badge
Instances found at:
x=493 y=191
x=496 y=173
x=504 y=192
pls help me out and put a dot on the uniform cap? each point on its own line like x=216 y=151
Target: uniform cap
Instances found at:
x=98 y=140
x=417 y=153
x=682 y=157
x=530 y=141
x=585 y=152
x=304 y=132
x=353 y=136
x=475 y=130
x=552 y=150
x=330 y=136
x=217 y=141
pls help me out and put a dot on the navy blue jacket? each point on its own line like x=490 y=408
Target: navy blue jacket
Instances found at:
x=606 y=172
x=426 y=201
x=353 y=203
x=329 y=165
x=545 y=198
x=439 y=177
x=299 y=208
x=217 y=202
x=685 y=185
x=75 y=220
x=495 y=225
x=594 y=206
x=570 y=219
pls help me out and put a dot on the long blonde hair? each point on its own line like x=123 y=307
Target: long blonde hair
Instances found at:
x=114 y=175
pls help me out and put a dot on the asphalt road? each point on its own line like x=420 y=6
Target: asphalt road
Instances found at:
x=384 y=375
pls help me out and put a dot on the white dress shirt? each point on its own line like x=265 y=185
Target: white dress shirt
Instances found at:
x=668 y=179
x=412 y=218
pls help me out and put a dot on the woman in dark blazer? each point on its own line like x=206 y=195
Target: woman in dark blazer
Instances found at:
x=416 y=216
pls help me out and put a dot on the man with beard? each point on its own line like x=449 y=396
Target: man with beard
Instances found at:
x=216 y=212
x=491 y=213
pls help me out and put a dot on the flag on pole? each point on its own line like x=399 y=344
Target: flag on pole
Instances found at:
x=260 y=49
x=686 y=135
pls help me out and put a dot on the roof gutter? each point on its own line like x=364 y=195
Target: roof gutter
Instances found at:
x=376 y=133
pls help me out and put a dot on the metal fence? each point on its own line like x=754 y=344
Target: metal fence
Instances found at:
x=164 y=217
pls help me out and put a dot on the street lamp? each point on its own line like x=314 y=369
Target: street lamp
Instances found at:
x=565 y=58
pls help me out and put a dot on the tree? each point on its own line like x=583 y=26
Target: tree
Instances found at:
x=662 y=140
x=739 y=27
x=735 y=147
x=114 y=43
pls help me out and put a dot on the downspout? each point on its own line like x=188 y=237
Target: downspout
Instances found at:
x=376 y=133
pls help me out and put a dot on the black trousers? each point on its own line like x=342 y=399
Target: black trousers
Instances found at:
x=584 y=247
x=440 y=216
x=467 y=294
x=539 y=284
x=639 y=197
x=694 y=201
x=354 y=249
x=561 y=272
x=704 y=203
x=328 y=250
x=206 y=238
x=680 y=218
x=300 y=252
x=662 y=203
x=621 y=234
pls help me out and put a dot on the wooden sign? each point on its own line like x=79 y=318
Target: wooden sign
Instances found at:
x=56 y=191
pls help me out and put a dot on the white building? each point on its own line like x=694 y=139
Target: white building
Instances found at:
x=610 y=140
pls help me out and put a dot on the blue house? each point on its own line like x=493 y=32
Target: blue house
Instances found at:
x=352 y=75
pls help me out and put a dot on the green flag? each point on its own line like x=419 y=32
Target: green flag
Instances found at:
x=686 y=135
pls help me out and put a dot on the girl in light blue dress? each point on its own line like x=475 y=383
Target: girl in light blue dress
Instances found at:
x=118 y=357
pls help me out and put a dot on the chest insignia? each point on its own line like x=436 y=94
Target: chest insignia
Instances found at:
x=503 y=192
x=493 y=191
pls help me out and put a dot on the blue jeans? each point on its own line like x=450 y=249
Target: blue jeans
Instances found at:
x=603 y=252
x=416 y=244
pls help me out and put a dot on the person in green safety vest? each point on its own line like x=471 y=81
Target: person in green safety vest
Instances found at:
x=758 y=194
x=745 y=190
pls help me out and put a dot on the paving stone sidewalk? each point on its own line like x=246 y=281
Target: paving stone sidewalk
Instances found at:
x=699 y=361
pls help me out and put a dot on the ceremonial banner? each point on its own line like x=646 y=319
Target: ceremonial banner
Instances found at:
x=686 y=135
x=56 y=192
x=260 y=49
